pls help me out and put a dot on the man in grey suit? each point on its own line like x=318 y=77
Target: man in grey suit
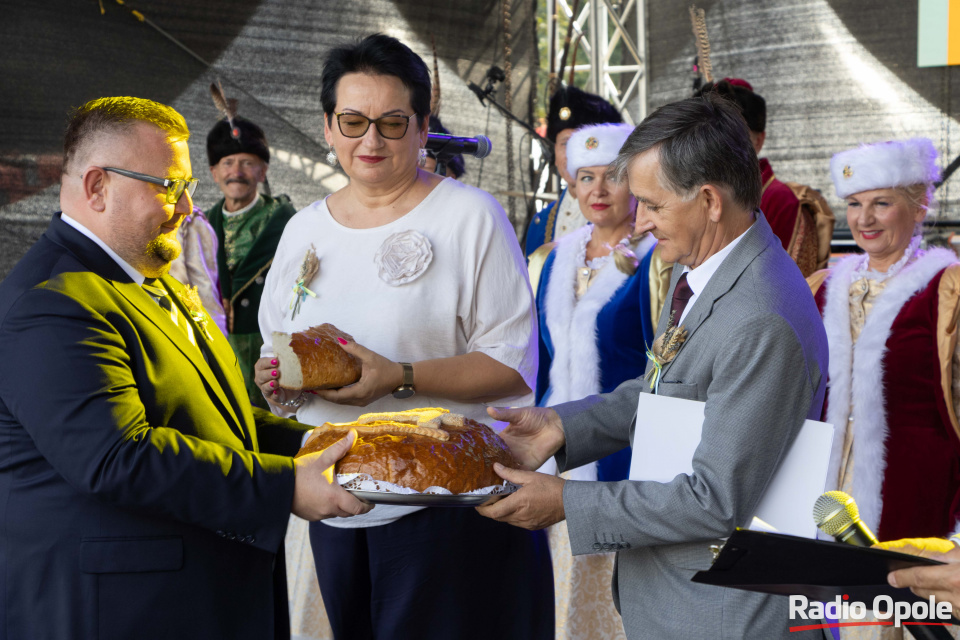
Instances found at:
x=755 y=352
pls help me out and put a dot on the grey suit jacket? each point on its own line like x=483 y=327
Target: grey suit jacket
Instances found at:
x=756 y=353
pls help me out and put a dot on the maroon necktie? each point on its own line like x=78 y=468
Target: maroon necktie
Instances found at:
x=681 y=296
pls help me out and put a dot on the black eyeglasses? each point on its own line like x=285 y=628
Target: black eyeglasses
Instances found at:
x=354 y=125
x=175 y=186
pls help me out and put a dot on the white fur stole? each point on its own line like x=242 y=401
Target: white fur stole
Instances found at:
x=856 y=373
x=575 y=369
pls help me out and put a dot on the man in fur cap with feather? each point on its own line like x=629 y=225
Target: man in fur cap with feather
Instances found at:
x=248 y=225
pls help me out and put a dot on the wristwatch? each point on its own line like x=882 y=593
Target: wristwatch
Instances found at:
x=405 y=390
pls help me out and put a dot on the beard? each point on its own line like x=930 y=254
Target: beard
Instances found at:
x=158 y=255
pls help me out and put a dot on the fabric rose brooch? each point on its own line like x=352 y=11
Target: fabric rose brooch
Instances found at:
x=403 y=257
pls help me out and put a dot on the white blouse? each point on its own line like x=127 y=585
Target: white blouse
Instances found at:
x=462 y=288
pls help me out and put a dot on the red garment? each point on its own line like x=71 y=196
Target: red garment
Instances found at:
x=921 y=481
x=779 y=204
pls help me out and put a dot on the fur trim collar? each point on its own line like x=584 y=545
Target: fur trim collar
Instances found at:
x=856 y=371
x=575 y=370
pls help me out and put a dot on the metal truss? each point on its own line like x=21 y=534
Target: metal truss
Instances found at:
x=603 y=28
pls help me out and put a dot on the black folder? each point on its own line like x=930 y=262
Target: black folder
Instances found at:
x=787 y=565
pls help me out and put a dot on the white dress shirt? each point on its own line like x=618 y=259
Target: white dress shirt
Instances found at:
x=242 y=210
x=699 y=277
x=135 y=275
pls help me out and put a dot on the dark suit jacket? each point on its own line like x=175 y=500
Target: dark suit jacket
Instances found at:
x=134 y=502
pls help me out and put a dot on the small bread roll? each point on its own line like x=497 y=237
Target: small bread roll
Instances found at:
x=312 y=359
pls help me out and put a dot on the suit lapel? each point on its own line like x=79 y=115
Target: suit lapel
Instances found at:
x=219 y=363
x=139 y=298
x=100 y=263
x=755 y=240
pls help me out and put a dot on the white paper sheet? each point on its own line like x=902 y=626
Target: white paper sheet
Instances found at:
x=668 y=432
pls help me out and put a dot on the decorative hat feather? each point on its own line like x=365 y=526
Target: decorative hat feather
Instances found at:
x=435 y=90
x=233 y=133
x=226 y=107
x=699 y=20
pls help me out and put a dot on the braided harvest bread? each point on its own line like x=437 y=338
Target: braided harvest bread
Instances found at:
x=405 y=449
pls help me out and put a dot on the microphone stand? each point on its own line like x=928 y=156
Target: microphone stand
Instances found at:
x=486 y=94
x=951 y=168
x=546 y=158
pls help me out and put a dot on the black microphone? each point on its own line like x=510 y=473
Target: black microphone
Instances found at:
x=494 y=75
x=836 y=514
x=444 y=145
x=480 y=93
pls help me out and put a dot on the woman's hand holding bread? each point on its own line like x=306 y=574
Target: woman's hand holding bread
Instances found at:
x=379 y=376
x=267 y=377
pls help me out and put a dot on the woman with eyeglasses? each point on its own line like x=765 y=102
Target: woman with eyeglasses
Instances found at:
x=599 y=298
x=427 y=275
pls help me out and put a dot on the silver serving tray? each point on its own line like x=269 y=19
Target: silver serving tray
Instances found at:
x=429 y=499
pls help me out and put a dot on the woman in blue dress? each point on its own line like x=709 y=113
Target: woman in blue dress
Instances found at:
x=599 y=297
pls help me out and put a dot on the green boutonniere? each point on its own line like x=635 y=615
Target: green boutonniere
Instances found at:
x=663 y=351
x=308 y=270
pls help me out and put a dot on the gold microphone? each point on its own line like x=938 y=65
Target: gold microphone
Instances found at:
x=836 y=514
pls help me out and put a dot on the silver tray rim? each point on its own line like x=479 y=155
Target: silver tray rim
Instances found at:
x=430 y=499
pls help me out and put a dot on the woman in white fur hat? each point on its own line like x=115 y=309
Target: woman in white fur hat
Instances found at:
x=890 y=316
x=599 y=299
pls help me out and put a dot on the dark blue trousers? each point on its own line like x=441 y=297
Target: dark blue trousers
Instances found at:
x=439 y=573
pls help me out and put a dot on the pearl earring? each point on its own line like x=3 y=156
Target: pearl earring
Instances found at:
x=332 y=158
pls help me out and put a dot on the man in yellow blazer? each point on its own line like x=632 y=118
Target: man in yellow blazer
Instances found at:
x=136 y=497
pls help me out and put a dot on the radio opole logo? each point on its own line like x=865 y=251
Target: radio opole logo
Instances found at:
x=886 y=612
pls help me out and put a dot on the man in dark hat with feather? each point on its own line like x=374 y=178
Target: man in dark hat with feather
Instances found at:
x=248 y=225
x=570 y=108
x=799 y=215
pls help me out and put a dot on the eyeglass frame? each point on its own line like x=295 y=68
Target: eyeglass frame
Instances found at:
x=174 y=191
x=375 y=122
